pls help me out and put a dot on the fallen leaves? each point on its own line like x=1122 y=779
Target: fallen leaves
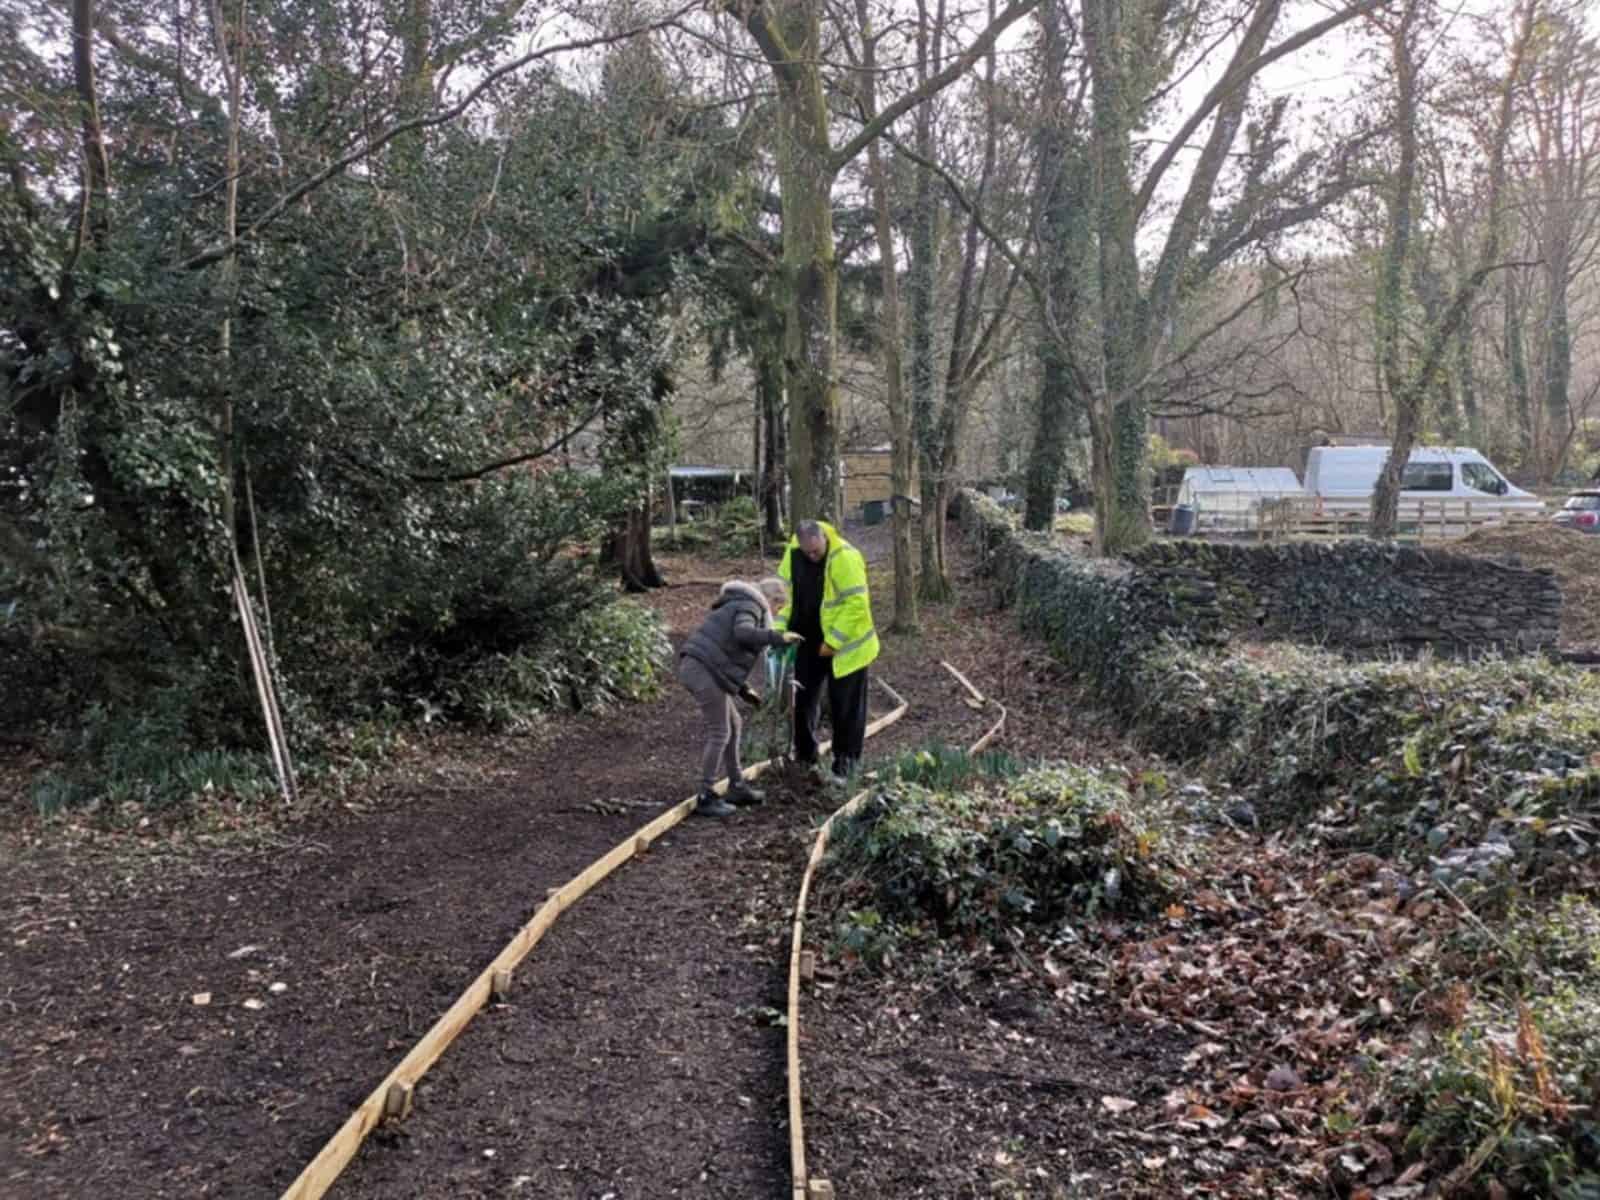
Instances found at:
x=1285 y=968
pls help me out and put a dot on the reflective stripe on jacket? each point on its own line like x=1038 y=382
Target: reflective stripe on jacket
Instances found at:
x=846 y=604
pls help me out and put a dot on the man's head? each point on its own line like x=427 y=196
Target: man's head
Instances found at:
x=813 y=542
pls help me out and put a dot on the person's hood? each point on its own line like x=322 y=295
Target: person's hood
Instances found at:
x=738 y=589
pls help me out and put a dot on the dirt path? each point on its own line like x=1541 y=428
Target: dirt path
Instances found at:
x=118 y=1083
x=640 y=1056
x=198 y=1023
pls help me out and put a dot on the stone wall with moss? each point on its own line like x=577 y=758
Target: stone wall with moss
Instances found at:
x=1358 y=597
x=1355 y=596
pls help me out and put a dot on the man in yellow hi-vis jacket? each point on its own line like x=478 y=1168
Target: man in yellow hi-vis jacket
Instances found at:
x=830 y=608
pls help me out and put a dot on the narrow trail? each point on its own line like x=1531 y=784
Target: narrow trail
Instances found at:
x=639 y=1055
x=197 y=1023
x=118 y=1079
x=642 y=1054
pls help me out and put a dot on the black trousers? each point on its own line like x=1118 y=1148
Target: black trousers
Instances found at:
x=847 y=702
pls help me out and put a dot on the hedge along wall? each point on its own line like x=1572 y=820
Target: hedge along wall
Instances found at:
x=1087 y=610
x=1435 y=754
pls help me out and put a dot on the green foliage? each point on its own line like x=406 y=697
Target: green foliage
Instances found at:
x=148 y=758
x=997 y=850
x=1424 y=758
x=733 y=530
x=477 y=294
x=608 y=655
x=738 y=527
x=690 y=537
x=942 y=767
x=1518 y=1069
x=769 y=730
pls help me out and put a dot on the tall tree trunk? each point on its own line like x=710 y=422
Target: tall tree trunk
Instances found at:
x=971 y=344
x=769 y=383
x=1409 y=383
x=1121 y=511
x=788 y=31
x=1430 y=293
x=1055 y=413
x=95 y=214
x=1467 y=380
x=1518 y=394
x=1557 y=369
x=1063 y=238
x=1401 y=199
x=903 y=448
x=631 y=552
x=922 y=279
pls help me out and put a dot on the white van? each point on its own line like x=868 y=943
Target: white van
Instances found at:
x=1344 y=477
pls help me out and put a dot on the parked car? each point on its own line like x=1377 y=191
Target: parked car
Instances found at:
x=1581 y=511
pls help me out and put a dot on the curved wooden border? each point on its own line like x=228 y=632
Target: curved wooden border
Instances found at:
x=392 y=1097
x=804 y=1187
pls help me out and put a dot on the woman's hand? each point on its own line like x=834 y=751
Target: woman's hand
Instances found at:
x=790 y=637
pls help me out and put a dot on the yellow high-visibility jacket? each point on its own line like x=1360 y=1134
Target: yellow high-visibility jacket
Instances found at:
x=846 y=606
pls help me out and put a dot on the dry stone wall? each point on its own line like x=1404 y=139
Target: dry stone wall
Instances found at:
x=1362 y=598
x=1358 y=596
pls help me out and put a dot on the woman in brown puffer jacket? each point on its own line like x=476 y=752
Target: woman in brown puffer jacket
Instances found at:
x=714 y=663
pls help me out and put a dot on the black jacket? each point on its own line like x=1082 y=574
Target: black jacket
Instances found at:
x=728 y=641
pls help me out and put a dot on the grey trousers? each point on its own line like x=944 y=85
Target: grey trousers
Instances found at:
x=720 y=719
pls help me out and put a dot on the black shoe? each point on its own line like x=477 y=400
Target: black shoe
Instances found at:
x=742 y=795
x=709 y=804
x=843 y=768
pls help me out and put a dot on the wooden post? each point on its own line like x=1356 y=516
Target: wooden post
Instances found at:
x=672 y=510
x=397 y=1102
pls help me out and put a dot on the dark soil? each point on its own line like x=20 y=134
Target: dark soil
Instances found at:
x=977 y=1083
x=640 y=1055
x=121 y=1084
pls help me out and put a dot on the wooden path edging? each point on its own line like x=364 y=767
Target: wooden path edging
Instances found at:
x=804 y=1187
x=393 y=1096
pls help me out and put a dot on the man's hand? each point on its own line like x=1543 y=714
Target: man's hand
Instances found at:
x=826 y=651
x=748 y=695
x=790 y=637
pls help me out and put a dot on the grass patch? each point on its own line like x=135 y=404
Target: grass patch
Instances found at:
x=1076 y=524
